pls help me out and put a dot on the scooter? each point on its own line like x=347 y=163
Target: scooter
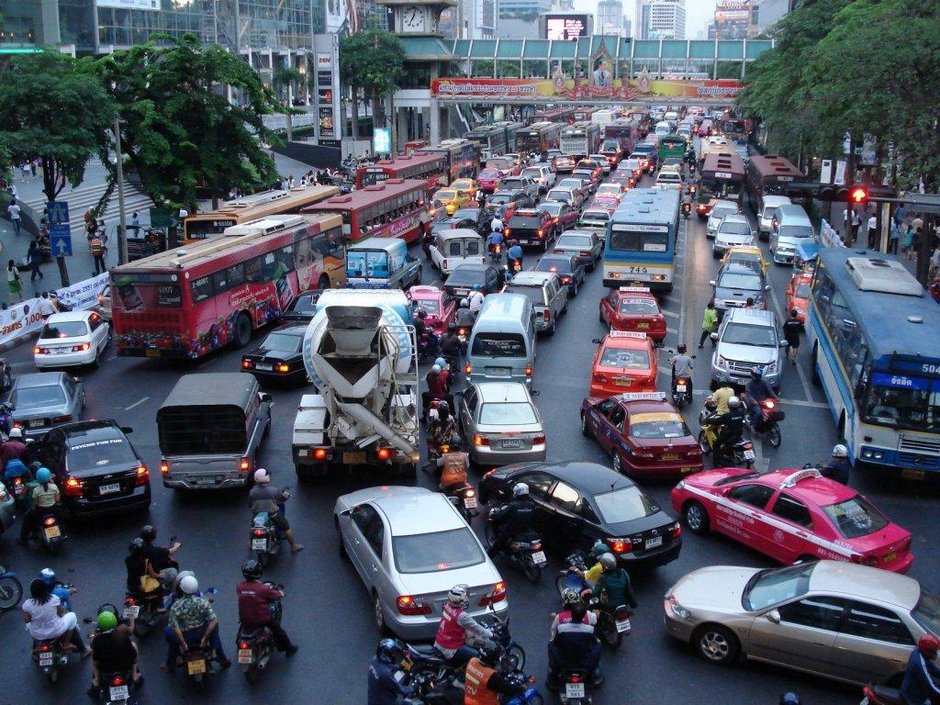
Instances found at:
x=881 y=695
x=115 y=689
x=496 y=252
x=573 y=686
x=740 y=454
x=764 y=424
x=265 y=538
x=613 y=623
x=11 y=590
x=143 y=610
x=50 y=534
x=524 y=552
x=681 y=391
x=256 y=644
x=686 y=210
x=51 y=655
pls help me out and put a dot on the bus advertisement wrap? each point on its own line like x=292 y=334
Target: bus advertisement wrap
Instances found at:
x=581 y=89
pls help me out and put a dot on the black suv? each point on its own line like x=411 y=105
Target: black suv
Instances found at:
x=531 y=227
x=96 y=468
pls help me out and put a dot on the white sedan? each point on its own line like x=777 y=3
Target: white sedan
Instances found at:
x=410 y=546
x=72 y=339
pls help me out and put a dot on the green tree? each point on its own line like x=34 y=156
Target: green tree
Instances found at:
x=53 y=107
x=179 y=130
x=284 y=77
x=371 y=65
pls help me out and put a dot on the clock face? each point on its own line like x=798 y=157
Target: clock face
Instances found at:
x=413 y=18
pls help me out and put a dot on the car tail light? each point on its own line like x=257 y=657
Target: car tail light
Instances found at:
x=480 y=440
x=444 y=264
x=547 y=315
x=246 y=364
x=538 y=440
x=528 y=370
x=40 y=351
x=676 y=530
x=62 y=419
x=283 y=368
x=81 y=347
x=468 y=368
x=244 y=464
x=73 y=487
x=258 y=532
x=585 y=253
x=600 y=379
x=408 y=605
x=865 y=560
x=384 y=453
x=620 y=545
x=164 y=467
x=498 y=594
x=142 y=477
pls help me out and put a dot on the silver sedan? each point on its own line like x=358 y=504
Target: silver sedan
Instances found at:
x=410 y=546
x=45 y=399
x=501 y=424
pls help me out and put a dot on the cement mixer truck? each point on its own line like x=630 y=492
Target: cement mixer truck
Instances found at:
x=361 y=354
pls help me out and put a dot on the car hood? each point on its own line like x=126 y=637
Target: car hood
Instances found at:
x=723 y=292
x=716 y=587
x=749 y=353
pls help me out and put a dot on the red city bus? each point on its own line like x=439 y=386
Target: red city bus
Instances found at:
x=563 y=115
x=394 y=208
x=769 y=175
x=415 y=146
x=722 y=178
x=538 y=137
x=188 y=302
x=463 y=158
x=430 y=168
x=582 y=114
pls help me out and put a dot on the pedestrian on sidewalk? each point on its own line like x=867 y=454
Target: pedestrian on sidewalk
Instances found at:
x=791 y=333
x=907 y=239
x=98 y=251
x=25 y=173
x=46 y=307
x=33 y=165
x=873 y=232
x=14 y=211
x=709 y=324
x=34 y=259
x=856 y=224
x=14 y=284
x=895 y=238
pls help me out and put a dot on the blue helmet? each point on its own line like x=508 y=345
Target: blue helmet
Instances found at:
x=757 y=372
x=47 y=575
x=442 y=362
x=43 y=475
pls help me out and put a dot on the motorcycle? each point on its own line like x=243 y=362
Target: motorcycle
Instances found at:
x=197 y=664
x=496 y=252
x=765 y=423
x=11 y=590
x=50 y=534
x=514 y=266
x=740 y=454
x=458 y=490
x=428 y=346
x=681 y=391
x=51 y=655
x=573 y=686
x=463 y=335
x=613 y=623
x=256 y=644
x=17 y=488
x=143 y=611
x=525 y=551
x=115 y=689
x=265 y=538
x=686 y=210
x=881 y=695
x=569 y=578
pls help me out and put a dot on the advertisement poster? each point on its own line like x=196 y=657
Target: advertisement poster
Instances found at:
x=566 y=27
x=325 y=95
x=326 y=122
x=130 y=4
x=341 y=17
x=23 y=318
x=599 y=85
x=325 y=79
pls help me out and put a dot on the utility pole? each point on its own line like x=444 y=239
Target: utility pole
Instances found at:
x=122 y=224
x=849 y=184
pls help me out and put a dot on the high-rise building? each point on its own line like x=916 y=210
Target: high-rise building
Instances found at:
x=767 y=12
x=609 y=18
x=664 y=19
x=520 y=18
x=733 y=20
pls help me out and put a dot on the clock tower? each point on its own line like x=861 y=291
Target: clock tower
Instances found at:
x=417 y=17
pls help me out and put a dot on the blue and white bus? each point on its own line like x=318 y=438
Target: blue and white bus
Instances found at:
x=875 y=338
x=641 y=239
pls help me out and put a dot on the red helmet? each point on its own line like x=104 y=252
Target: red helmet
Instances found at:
x=928 y=645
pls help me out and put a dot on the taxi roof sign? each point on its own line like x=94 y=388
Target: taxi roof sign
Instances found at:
x=642 y=396
x=627 y=334
x=638 y=289
x=805 y=474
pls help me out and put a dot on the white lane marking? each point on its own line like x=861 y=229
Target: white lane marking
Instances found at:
x=136 y=404
x=670 y=314
x=683 y=233
x=782 y=316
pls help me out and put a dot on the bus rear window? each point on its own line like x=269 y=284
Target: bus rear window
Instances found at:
x=629 y=241
x=498 y=345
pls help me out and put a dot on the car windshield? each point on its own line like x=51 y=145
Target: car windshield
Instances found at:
x=575 y=242
x=553 y=209
x=432 y=307
x=739 y=280
x=498 y=199
x=638 y=307
x=585 y=174
x=436 y=552
x=571 y=183
x=284 y=342
x=595 y=216
x=525 y=222
x=507 y=414
x=535 y=294
x=34 y=397
x=890 y=404
x=625 y=359
x=734 y=228
x=652 y=426
x=797 y=232
x=775 y=585
x=369 y=263
x=63 y=329
x=624 y=504
x=927 y=612
x=465 y=214
x=498 y=345
x=304 y=304
x=99 y=454
x=608 y=190
x=802 y=291
x=445 y=195
x=855 y=517
x=719 y=212
x=744 y=334
x=561 y=196
x=532 y=173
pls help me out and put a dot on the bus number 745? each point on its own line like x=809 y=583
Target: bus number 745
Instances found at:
x=637 y=270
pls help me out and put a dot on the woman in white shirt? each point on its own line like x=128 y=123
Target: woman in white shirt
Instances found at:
x=46 y=618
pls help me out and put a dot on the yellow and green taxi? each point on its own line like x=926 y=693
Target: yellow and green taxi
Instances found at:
x=450 y=199
x=748 y=255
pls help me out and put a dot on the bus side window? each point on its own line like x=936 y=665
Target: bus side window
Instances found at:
x=254 y=269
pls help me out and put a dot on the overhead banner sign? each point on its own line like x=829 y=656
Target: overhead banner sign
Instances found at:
x=586 y=89
x=130 y=4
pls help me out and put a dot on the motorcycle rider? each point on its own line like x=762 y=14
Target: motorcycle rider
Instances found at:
x=756 y=391
x=451 y=347
x=384 y=687
x=112 y=651
x=13 y=447
x=496 y=224
x=437 y=379
x=59 y=589
x=732 y=426
x=427 y=341
x=682 y=368
x=484 y=682
x=494 y=240
x=6 y=418
x=160 y=557
x=514 y=255
x=46 y=501
x=465 y=317
x=574 y=646
x=511 y=519
x=838 y=468
x=442 y=428
x=192 y=621
x=613 y=587
x=591 y=575
x=264 y=497
x=254 y=606
x=920 y=684
x=476 y=298
x=720 y=397
x=46 y=618
x=456 y=625
x=569 y=599
x=137 y=566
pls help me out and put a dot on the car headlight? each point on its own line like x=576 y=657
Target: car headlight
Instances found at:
x=677 y=609
x=770 y=368
x=721 y=362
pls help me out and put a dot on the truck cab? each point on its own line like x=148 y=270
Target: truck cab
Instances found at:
x=381 y=263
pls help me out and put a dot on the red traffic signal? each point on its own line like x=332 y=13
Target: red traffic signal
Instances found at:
x=859 y=195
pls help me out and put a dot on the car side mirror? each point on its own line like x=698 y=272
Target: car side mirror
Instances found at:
x=534 y=392
x=126 y=429
x=773 y=616
x=712 y=283
x=784 y=344
x=265 y=397
x=767 y=287
x=714 y=337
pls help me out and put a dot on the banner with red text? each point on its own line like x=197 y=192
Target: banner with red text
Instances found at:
x=591 y=88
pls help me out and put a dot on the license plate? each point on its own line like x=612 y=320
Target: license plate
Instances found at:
x=45 y=659
x=153 y=353
x=119 y=692
x=512 y=443
x=470 y=502
x=623 y=381
x=574 y=690
x=354 y=457
x=264 y=367
x=670 y=456
x=539 y=557
x=499 y=371
x=749 y=455
x=654 y=542
x=52 y=532
x=259 y=544
x=685 y=470
x=912 y=474
x=131 y=611
x=680 y=388
x=36 y=423
x=109 y=489
x=623 y=625
x=244 y=655
x=196 y=666
x=889 y=557
x=643 y=326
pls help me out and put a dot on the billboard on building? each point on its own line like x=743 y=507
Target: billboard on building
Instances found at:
x=566 y=26
x=587 y=89
x=130 y=4
x=342 y=16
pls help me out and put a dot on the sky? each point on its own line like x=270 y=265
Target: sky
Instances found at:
x=697 y=13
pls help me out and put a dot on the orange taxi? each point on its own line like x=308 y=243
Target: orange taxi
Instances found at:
x=798 y=294
x=633 y=308
x=624 y=362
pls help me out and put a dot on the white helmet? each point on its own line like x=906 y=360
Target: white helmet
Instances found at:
x=262 y=477
x=459 y=595
x=520 y=489
x=189 y=585
x=16 y=432
x=734 y=403
x=435 y=369
x=840 y=451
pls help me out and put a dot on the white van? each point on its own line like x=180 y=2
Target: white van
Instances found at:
x=766 y=214
x=456 y=246
x=662 y=129
x=790 y=227
x=502 y=343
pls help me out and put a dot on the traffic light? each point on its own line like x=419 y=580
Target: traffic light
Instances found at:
x=859 y=196
x=832 y=192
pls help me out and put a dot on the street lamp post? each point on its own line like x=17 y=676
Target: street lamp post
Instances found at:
x=122 y=217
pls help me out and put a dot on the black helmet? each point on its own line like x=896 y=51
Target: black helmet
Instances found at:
x=252 y=570
x=389 y=651
x=136 y=546
x=148 y=533
x=682 y=348
x=491 y=656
